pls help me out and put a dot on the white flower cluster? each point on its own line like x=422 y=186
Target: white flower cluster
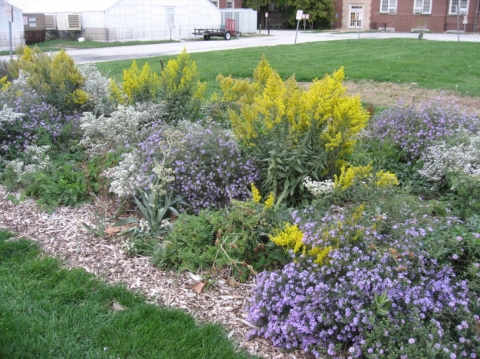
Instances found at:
x=97 y=87
x=104 y=134
x=318 y=189
x=8 y=116
x=441 y=159
x=143 y=226
x=164 y=176
x=124 y=175
x=20 y=83
x=35 y=159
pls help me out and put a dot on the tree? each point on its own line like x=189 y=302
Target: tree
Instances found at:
x=321 y=12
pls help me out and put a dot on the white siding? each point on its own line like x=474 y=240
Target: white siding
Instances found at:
x=245 y=19
x=17 y=29
x=93 y=19
x=125 y=20
x=148 y=20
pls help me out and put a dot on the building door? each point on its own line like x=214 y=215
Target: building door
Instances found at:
x=356 y=17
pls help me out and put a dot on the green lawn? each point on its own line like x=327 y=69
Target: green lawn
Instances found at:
x=49 y=312
x=431 y=64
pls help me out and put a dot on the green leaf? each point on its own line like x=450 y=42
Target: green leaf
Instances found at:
x=126 y=221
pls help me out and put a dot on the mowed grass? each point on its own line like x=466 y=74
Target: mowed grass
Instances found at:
x=49 y=312
x=437 y=65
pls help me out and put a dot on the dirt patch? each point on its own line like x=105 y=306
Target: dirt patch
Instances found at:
x=384 y=94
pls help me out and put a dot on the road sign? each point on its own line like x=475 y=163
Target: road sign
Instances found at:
x=299 y=14
x=9 y=12
x=266 y=14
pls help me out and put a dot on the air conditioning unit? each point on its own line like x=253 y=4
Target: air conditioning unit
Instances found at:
x=69 y=21
x=418 y=11
x=392 y=11
x=50 y=22
x=463 y=11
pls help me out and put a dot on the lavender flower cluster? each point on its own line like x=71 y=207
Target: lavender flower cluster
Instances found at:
x=159 y=146
x=329 y=309
x=208 y=165
x=210 y=168
x=413 y=130
x=40 y=124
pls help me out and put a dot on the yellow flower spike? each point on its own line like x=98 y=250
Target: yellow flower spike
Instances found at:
x=27 y=54
x=291 y=237
x=4 y=84
x=386 y=179
x=255 y=194
x=270 y=201
x=320 y=253
x=263 y=71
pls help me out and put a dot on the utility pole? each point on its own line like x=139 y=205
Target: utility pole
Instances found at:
x=9 y=15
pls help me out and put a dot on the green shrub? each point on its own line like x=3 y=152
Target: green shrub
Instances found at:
x=55 y=77
x=94 y=169
x=65 y=185
x=236 y=237
x=295 y=133
x=180 y=88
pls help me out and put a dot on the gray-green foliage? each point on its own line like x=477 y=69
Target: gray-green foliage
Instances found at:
x=103 y=134
x=97 y=88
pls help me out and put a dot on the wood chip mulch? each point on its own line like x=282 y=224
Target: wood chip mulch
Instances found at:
x=61 y=234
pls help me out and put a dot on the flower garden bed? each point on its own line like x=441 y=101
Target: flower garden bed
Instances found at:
x=288 y=213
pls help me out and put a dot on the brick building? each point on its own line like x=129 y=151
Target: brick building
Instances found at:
x=408 y=15
x=227 y=4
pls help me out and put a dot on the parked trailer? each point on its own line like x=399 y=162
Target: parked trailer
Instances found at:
x=226 y=31
x=208 y=33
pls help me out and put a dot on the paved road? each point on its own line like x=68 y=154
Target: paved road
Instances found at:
x=276 y=37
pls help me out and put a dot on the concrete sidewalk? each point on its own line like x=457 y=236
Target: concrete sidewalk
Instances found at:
x=276 y=37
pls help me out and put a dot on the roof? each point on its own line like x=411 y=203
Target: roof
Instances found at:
x=53 y=6
x=10 y=3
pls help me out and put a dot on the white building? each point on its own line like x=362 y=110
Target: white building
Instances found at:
x=127 y=20
x=16 y=27
x=245 y=19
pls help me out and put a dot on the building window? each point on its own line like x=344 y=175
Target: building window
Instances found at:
x=422 y=7
x=214 y=2
x=273 y=7
x=458 y=6
x=388 y=6
x=230 y=4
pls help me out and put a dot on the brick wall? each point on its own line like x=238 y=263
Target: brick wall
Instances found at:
x=404 y=20
x=222 y=4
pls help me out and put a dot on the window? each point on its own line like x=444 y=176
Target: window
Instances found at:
x=422 y=7
x=214 y=2
x=230 y=4
x=388 y=6
x=458 y=6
